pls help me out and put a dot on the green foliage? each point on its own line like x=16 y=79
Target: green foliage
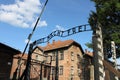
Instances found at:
x=89 y=45
x=108 y=15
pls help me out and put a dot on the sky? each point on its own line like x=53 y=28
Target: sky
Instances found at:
x=18 y=17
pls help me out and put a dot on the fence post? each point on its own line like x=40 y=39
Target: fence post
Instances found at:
x=98 y=53
x=113 y=50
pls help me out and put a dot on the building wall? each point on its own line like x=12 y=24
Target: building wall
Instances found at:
x=88 y=68
x=5 y=65
x=14 y=66
x=6 y=60
x=69 y=63
x=37 y=59
x=35 y=65
x=40 y=67
x=20 y=69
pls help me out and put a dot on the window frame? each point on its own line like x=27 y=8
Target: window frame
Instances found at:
x=61 y=55
x=72 y=56
x=52 y=70
x=61 y=70
x=72 y=70
x=53 y=56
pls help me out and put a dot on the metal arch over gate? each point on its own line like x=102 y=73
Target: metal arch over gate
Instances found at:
x=65 y=33
x=71 y=31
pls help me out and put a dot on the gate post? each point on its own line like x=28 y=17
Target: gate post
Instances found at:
x=28 y=65
x=113 y=50
x=98 y=53
x=26 y=73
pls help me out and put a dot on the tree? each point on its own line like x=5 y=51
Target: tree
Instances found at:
x=108 y=15
x=89 y=45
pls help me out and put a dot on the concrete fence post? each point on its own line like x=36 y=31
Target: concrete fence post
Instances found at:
x=98 y=53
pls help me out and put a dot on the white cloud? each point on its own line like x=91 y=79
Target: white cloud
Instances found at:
x=58 y=27
x=21 y=13
x=40 y=23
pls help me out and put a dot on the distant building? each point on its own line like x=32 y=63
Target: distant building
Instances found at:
x=6 y=60
x=109 y=71
x=88 y=65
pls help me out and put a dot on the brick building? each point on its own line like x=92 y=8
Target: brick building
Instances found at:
x=19 y=70
x=109 y=71
x=38 y=68
x=63 y=58
x=67 y=59
x=6 y=60
x=37 y=65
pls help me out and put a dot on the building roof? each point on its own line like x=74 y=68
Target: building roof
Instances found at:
x=20 y=55
x=111 y=68
x=59 y=44
x=7 y=49
x=88 y=53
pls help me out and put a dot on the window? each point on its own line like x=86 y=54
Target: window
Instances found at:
x=37 y=57
x=78 y=58
x=72 y=77
x=72 y=56
x=52 y=70
x=72 y=70
x=9 y=63
x=61 y=54
x=79 y=71
x=53 y=56
x=61 y=70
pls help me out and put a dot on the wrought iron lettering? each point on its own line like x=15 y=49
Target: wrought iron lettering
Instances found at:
x=74 y=30
x=79 y=28
x=59 y=33
x=65 y=33
x=41 y=40
x=68 y=31
x=49 y=36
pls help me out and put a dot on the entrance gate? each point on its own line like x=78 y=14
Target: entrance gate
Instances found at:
x=74 y=30
x=98 y=53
